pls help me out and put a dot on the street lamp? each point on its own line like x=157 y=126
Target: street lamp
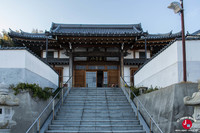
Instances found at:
x=47 y=35
x=178 y=8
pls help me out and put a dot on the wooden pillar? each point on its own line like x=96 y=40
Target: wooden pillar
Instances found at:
x=71 y=65
x=122 y=64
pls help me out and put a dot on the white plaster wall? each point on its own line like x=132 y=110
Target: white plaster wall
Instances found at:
x=136 y=54
x=127 y=74
x=12 y=59
x=148 y=54
x=62 y=55
x=192 y=58
x=44 y=54
x=37 y=66
x=167 y=68
x=24 y=59
x=130 y=55
x=65 y=73
x=160 y=71
x=55 y=54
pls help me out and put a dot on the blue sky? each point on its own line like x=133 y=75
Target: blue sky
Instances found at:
x=154 y=15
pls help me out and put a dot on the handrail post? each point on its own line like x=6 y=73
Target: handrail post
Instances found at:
x=38 y=126
x=62 y=95
x=53 y=108
x=129 y=94
x=150 y=125
x=137 y=110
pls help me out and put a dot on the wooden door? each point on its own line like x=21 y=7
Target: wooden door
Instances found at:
x=79 y=78
x=59 y=70
x=132 y=71
x=113 y=77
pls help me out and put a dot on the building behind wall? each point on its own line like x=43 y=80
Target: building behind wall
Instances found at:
x=94 y=55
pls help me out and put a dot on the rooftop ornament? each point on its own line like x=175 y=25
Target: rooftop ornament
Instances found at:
x=6 y=112
x=178 y=8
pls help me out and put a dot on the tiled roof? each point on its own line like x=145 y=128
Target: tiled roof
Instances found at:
x=93 y=29
x=23 y=34
x=196 y=33
x=134 y=61
x=162 y=36
x=58 y=61
x=193 y=36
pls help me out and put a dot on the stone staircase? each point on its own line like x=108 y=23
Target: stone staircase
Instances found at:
x=90 y=110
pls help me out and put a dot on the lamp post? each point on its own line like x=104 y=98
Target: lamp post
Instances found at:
x=47 y=35
x=178 y=8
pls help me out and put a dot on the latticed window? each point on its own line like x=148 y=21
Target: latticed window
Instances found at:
x=50 y=54
x=141 y=54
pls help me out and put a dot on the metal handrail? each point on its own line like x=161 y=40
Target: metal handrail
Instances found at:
x=138 y=101
x=51 y=102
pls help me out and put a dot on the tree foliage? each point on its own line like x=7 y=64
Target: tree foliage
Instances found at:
x=6 y=41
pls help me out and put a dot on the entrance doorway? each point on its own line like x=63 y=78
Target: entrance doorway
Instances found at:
x=91 y=79
x=96 y=76
x=99 y=78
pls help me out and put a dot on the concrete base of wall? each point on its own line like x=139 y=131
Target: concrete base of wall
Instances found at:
x=17 y=75
x=28 y=110
x=166 y=106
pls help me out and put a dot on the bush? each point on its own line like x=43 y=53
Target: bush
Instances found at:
x=34 y=89
x=137 y=91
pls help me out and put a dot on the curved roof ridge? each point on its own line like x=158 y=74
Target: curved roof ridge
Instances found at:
x=54 y=25
x=23 y=32
x=162 y=35
x=196 y=32
x=26 y=34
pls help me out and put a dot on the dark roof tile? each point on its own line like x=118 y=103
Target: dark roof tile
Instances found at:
x=94 y=29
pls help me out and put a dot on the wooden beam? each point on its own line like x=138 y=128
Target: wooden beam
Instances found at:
x=97 y=54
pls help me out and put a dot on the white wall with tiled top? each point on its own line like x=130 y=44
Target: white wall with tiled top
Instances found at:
x=26 y=67
x=167 y=68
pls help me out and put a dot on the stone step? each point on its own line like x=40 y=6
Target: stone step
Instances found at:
x=96 y=102
x=95 y=115
x=96 y=99
x=96 y=106
x=97 y=96
x=98 y=88
x=113 y=131
x=95 y=128
x=93 y=111
x=95 y=118
x=103 y=122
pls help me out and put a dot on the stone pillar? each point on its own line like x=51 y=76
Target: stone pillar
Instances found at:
x=7 y=101
x=122 y=64
x=195 y=102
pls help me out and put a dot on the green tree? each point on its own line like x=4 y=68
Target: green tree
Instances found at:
x=6 y=41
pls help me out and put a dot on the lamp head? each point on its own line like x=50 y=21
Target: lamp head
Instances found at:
x=176 y=6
